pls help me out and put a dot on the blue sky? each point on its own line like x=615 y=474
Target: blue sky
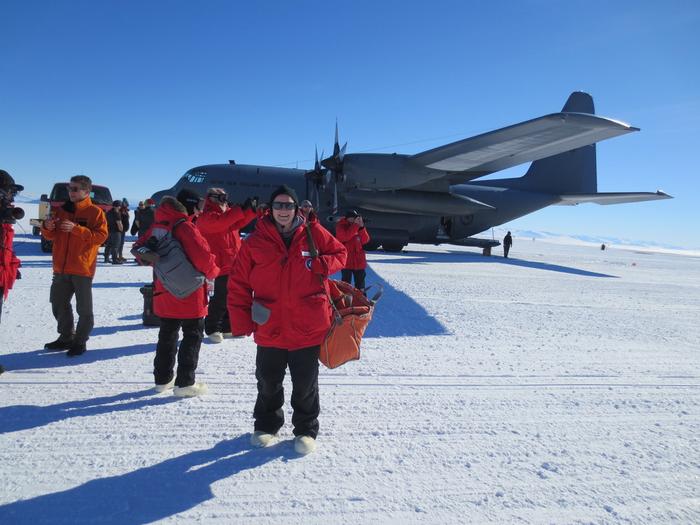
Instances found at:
x=134 y=93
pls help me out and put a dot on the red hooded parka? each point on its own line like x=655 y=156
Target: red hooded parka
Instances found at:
x=197 y=250
x=353 y=237
x=220 y=229
x=286 y=281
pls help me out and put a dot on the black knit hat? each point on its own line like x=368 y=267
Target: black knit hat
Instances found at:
x=285 y=190
x=189 y=199
x=7 y=183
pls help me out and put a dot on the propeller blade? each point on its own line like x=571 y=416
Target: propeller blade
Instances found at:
x=336 y=145
x=341 y=153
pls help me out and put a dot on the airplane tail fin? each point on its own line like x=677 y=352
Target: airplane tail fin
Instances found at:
x=569 y=172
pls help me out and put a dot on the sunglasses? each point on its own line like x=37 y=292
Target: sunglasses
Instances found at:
x=74 y=188
x=283 y=205
x=221 y=197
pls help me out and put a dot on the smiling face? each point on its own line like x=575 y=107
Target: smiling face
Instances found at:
x=283 y=211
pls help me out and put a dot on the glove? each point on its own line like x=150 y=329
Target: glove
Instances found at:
x=19 y=275
x=251 y=203
x=210 y=288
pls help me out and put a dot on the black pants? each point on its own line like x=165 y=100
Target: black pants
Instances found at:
x=506 y=249
x=346 y=275
x=187 y=354
x=63 y=287
x=217 y=315
x=122 y=238
x=270 y=367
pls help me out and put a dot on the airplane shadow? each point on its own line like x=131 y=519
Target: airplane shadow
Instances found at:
x=464 y=257
x=151 y=493
x=397 y=314
x=37 y=359
x=23 y=417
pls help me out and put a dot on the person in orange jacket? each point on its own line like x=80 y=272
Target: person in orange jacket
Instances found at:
x=77 y=230
x=351 y=231
x=278 y=291
x=220 y=224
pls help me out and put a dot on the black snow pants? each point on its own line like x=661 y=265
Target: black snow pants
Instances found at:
x=217 y=315
x=270 y=367
x=359 y=275
x=187 y=354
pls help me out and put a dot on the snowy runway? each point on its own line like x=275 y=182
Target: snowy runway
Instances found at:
x=561 y=386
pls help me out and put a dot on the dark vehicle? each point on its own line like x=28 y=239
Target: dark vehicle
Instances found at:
x=100 y=195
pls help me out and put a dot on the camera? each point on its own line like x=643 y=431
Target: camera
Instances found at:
x=9 y=213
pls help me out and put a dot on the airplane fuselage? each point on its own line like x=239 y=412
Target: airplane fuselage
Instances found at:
x=394 y=218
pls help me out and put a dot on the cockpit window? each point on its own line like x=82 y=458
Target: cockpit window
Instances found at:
x=195 y=176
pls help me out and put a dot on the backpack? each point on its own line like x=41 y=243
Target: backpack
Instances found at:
x=170 y=263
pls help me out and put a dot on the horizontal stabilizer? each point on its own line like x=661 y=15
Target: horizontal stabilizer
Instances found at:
x=525 y=142
x=612 y=198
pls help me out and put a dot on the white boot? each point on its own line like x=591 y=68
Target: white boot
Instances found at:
x=262 y=439
x=304 y=445
x=165 y=386
x=216 y=337
x=190 y=391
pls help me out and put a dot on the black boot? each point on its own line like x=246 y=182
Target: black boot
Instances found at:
x=76 y=349
x=59 y=344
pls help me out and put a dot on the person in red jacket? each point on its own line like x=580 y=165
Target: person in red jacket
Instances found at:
x=352 y=233
x=175 y=313
x=220 y=223
x=279 y=292
x=9 y=263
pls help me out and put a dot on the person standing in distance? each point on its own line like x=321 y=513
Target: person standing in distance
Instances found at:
x=77 y=230
x=279 y=293
x=220 y=224
x=507 y=243
x=351 y=231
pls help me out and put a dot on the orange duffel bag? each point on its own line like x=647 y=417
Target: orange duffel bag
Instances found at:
x=353 y=312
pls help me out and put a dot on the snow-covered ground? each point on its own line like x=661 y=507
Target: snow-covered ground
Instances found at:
x=559 y=386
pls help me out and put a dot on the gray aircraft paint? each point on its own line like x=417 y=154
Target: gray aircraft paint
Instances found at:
x=432 y=197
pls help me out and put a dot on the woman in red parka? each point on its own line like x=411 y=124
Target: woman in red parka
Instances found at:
x=352 y=233
x=278 y=292
x=175 y=313
x=220 y=223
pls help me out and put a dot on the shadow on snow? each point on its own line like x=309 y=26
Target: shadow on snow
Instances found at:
x=466 y=257
x=22 y=417
x=148 y=494
x=397 y=314
x=37 y=359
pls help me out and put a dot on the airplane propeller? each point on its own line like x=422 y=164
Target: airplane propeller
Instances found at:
x=318 y=177
x=334 y=164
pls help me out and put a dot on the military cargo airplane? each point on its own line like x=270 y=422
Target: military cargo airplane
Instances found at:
x=433 y=197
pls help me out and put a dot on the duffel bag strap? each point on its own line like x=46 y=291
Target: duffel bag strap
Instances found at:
x=313 y=251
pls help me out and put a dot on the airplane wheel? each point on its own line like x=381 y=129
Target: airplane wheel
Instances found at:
x=46 y=246
x=371 y=246
x=393 y=247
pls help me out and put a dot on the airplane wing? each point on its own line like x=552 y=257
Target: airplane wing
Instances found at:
x=612 y=198
x=525 y=142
